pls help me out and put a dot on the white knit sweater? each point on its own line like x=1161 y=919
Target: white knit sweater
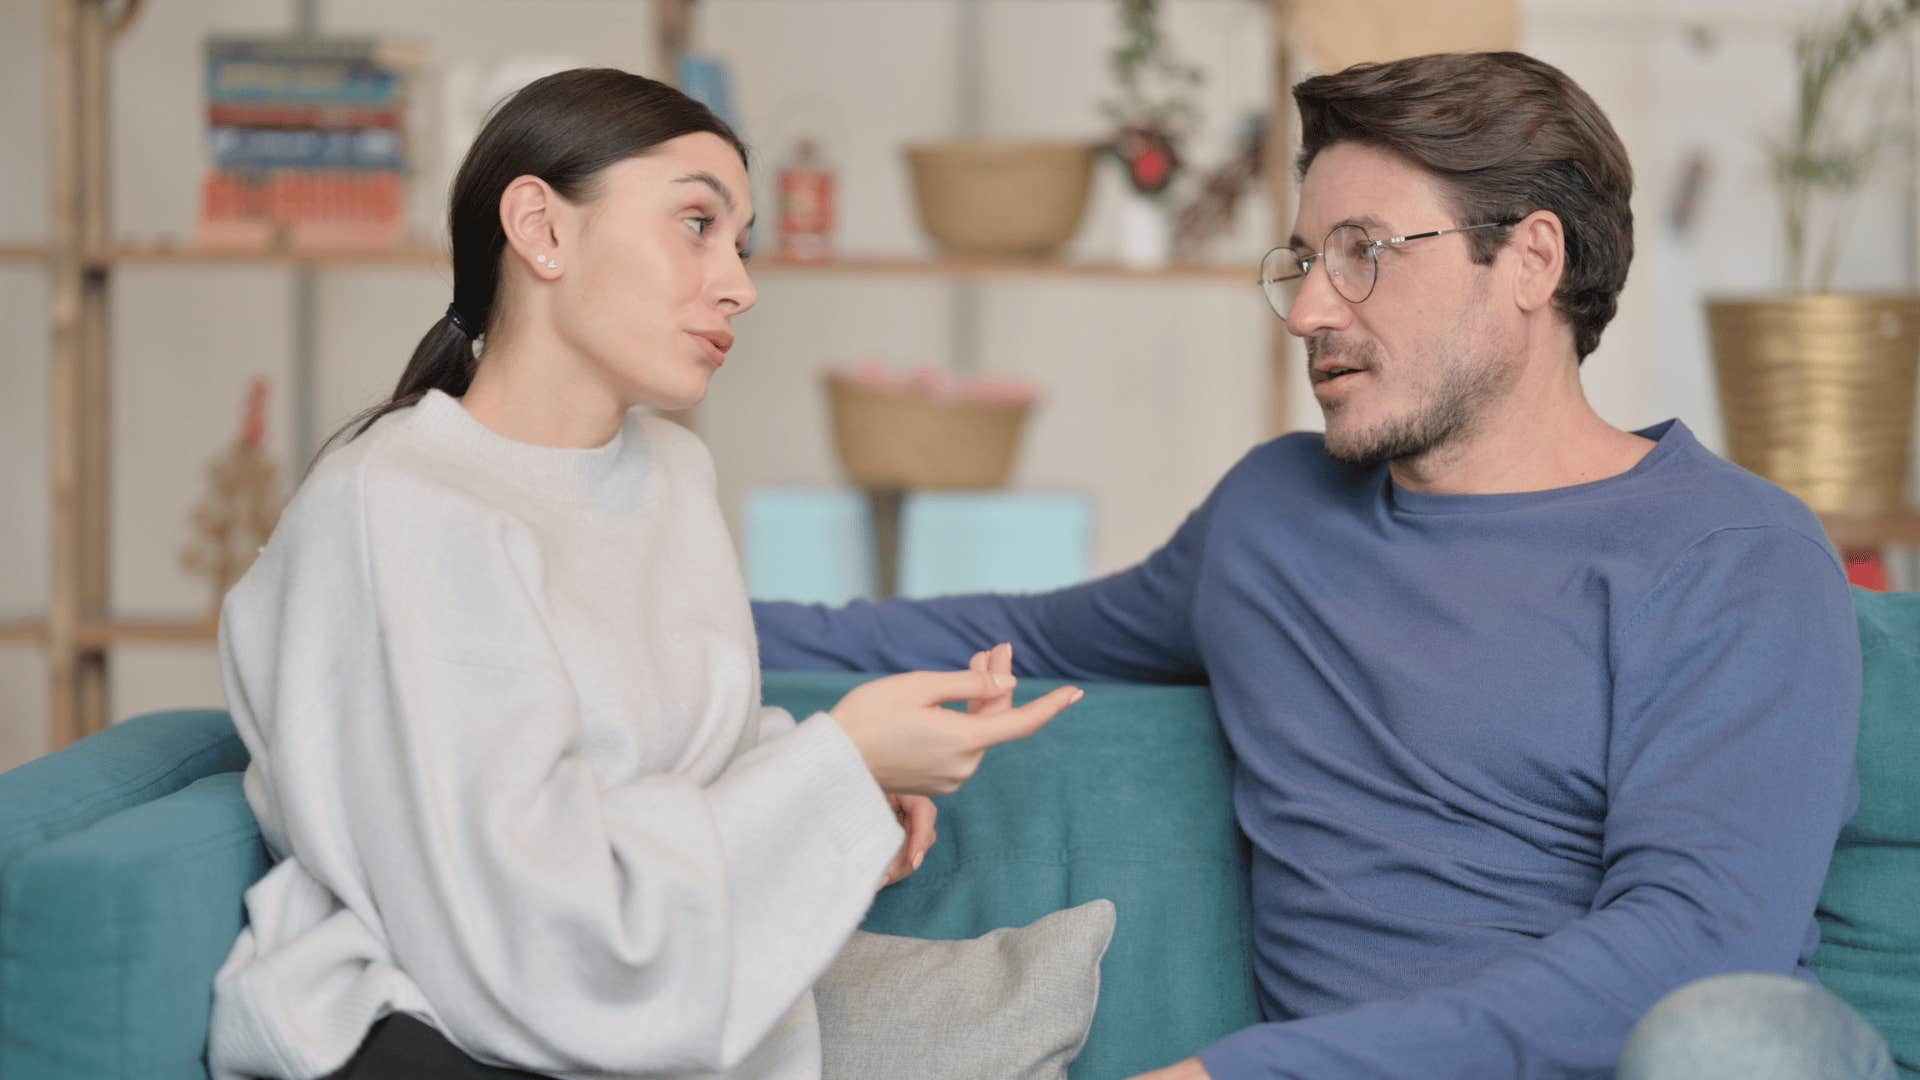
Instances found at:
x=503 y=703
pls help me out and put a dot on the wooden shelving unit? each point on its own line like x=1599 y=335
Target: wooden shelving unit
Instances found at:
x=82 y=253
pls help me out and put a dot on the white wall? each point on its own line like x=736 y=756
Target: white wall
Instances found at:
x=1151 y=390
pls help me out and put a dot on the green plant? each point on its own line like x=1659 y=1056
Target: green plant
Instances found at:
x=1152 y=111
x=1819 y=159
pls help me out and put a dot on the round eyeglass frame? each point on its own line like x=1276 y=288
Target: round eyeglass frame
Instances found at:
x=1276 y=285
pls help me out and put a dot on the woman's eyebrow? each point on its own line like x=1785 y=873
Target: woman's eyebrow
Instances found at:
x=707 y=179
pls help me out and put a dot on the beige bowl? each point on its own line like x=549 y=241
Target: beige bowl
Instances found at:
x=1001 y=196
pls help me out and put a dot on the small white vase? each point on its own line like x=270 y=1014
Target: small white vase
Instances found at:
x=1146 y=232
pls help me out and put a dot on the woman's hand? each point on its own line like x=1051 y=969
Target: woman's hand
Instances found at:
x=912 y=746
x=916 y=814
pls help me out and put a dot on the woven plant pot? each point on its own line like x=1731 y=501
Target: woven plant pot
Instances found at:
x=997 y=197
x=901 y=439
x=1817 y=394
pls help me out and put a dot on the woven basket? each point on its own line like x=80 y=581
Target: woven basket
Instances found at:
x=1001 y=197
x=903 y=439
x=1817 y=394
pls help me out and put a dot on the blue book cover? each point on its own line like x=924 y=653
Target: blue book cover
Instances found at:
x=243 y=149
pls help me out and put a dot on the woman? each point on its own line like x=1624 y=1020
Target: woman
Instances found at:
x=497 y=673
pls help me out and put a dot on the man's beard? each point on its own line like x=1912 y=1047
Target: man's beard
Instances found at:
x=1466 y=388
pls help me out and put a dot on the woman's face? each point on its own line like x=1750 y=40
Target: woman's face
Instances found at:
x=658 y=271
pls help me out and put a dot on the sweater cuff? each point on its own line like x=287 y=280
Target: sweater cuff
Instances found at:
x=851 y=807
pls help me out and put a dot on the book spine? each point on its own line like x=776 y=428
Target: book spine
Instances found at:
x=240 y=149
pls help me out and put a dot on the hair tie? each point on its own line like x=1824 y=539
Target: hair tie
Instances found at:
x=460 y=324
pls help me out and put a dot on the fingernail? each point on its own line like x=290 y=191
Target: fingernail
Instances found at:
x=1004 y=682
x=1076 y=696
x=918 y=858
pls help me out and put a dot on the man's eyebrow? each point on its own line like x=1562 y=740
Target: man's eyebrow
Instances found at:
x=1366 y=221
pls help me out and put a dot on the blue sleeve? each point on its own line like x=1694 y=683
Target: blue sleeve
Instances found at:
x=1133 y=626
x=1730 y=770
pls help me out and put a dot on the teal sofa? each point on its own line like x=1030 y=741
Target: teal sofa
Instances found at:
x=123 y=860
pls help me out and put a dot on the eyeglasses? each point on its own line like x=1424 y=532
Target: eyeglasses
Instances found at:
x=1352 y=258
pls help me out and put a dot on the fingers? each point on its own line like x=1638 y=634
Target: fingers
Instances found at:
x=921 y=813
x=938 y=687
x=995 y=661
x=1000 y=662
x=1027 y=719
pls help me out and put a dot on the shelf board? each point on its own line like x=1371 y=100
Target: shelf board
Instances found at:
x=958 y=266
x=1850 y=533
x=131 y=254
x=101 y=633
x=33 y=253
x=427 y=255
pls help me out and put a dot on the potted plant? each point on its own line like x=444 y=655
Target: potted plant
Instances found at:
x=1816 y=387
x=1151 y=117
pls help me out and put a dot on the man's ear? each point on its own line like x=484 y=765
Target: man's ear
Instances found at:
x=1541 y=243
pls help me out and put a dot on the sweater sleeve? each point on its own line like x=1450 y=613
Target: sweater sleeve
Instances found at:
x=441 y=787
x=1729 y=775
x=1136 y=625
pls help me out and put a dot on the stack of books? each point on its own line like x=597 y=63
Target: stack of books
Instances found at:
x=307 y=143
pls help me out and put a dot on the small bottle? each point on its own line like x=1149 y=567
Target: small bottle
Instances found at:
x=806 y=206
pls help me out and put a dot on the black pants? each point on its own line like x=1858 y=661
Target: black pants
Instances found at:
x=402 y=1048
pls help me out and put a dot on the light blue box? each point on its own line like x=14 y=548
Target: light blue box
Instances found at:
x=814 y=545
x=954 y=542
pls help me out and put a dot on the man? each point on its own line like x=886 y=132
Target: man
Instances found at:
x=1535 y=719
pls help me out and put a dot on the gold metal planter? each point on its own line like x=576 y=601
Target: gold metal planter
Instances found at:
x=1817 y=394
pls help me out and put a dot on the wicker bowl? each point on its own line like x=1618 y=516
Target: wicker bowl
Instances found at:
x=1001 y=197
x=899 y=438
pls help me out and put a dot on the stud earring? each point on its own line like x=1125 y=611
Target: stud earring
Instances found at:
x=541 y=259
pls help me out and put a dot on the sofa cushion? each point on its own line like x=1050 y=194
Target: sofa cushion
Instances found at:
x=110 y=935
x=1870 y=908
x=1126 y=797
x=1013 y=1002
x=123 y=766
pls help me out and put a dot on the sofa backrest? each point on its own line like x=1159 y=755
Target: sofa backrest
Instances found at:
x=1126 y=796
x=1870 y=908
x=122 y=863
x=123 y=766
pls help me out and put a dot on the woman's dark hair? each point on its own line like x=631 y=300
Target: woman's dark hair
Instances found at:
x=565 y=129
x=1506 y=135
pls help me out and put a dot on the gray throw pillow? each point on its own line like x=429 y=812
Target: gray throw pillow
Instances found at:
x=1012 y=1003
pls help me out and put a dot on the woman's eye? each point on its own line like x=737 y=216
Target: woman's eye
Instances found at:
x=700 y=225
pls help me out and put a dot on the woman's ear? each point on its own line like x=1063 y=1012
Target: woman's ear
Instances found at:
x=1542 y=245
x=531 y=215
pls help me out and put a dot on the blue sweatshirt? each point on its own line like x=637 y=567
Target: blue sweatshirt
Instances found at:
x=1512 y=766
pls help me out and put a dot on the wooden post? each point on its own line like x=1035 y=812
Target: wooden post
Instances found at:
x=95 y=385
x=1279 y=173
x=63 y=451
x=672 y=32
x=673 y=28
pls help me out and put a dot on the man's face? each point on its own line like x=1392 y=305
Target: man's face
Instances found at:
x=1416 y=366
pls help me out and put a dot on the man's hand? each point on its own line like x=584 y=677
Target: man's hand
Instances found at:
x=1190 y=1069
x=916 y=814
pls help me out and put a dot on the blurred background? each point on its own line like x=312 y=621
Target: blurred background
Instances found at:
x=1061 y=285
